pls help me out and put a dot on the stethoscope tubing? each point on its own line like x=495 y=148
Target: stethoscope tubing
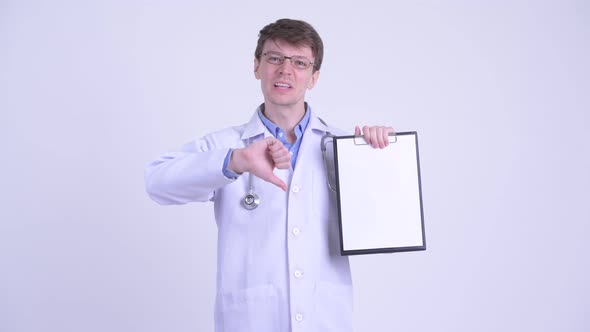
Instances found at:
x=251 y=200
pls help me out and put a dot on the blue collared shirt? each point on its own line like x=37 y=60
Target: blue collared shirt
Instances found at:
x=278 y=133
x=282 y=136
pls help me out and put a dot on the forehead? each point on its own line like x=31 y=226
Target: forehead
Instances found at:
x=286 y=48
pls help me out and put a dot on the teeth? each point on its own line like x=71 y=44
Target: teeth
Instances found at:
x=282 y=85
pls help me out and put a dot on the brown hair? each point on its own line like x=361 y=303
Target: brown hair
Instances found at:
x=295 y=32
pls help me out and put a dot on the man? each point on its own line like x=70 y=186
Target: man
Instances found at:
x=279 y=267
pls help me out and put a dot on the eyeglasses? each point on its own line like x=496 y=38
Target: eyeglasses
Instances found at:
x=297 y=61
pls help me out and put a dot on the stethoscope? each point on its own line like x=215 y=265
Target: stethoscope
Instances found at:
x=251 y=200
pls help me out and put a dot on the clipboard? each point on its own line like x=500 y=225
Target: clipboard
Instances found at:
x=379 y=195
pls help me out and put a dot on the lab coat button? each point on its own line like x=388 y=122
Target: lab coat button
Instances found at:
x=296 y=231
x=298 y=274
x=295 y=189
x=299 y=317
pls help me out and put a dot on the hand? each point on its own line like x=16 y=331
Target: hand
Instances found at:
x=260 y=159
x=376 y=136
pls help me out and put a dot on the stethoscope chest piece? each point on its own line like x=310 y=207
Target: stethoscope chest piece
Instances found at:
x=250 y=201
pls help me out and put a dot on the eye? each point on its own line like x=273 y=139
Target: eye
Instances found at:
x=300 y=63
x=274 y=59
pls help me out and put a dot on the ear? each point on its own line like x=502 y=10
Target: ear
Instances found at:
x=313 y=80
x=256 y=66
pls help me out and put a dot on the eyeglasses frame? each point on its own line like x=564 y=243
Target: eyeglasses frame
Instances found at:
x=283 y=57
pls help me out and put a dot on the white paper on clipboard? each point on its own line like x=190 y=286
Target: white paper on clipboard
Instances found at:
x=379 y=195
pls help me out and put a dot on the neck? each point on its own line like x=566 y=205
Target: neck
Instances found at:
x=285 y=117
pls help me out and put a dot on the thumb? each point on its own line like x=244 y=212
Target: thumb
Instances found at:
x=270 y=141
x=277 y=181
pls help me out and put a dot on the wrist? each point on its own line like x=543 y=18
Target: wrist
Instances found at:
x=236 y=162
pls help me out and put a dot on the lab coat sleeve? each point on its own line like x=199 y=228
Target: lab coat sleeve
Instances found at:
x=192 y=174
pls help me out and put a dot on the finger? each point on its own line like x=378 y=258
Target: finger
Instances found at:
x=374 y=137
x=283 y=164
x=282 y=151
x=367 y=134
x=282 y=160
x=277 y=182
x=387 y=132
x=381 y=137
x=357 y=131
x=274 y=144
x=384 y=137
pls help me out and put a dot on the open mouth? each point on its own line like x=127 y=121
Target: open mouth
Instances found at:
x=282 y=85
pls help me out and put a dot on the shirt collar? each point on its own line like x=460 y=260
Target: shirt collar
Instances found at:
x=274 y=129
x=256 y=127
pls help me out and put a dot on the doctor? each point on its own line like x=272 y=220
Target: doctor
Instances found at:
x=278 y=262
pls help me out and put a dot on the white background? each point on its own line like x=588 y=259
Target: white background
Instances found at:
x=90 y=92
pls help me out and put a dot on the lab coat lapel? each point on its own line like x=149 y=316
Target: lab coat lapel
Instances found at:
x=310 y=150
x=254 y=128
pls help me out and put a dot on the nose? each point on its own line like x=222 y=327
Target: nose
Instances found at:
x=286 y=68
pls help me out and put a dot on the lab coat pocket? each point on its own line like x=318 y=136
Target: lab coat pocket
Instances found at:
x=253 y=309
x=333 y=307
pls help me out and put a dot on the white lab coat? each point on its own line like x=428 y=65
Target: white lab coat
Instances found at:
x=278 y=266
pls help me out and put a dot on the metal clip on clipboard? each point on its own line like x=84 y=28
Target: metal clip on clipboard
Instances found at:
x=359 y=140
